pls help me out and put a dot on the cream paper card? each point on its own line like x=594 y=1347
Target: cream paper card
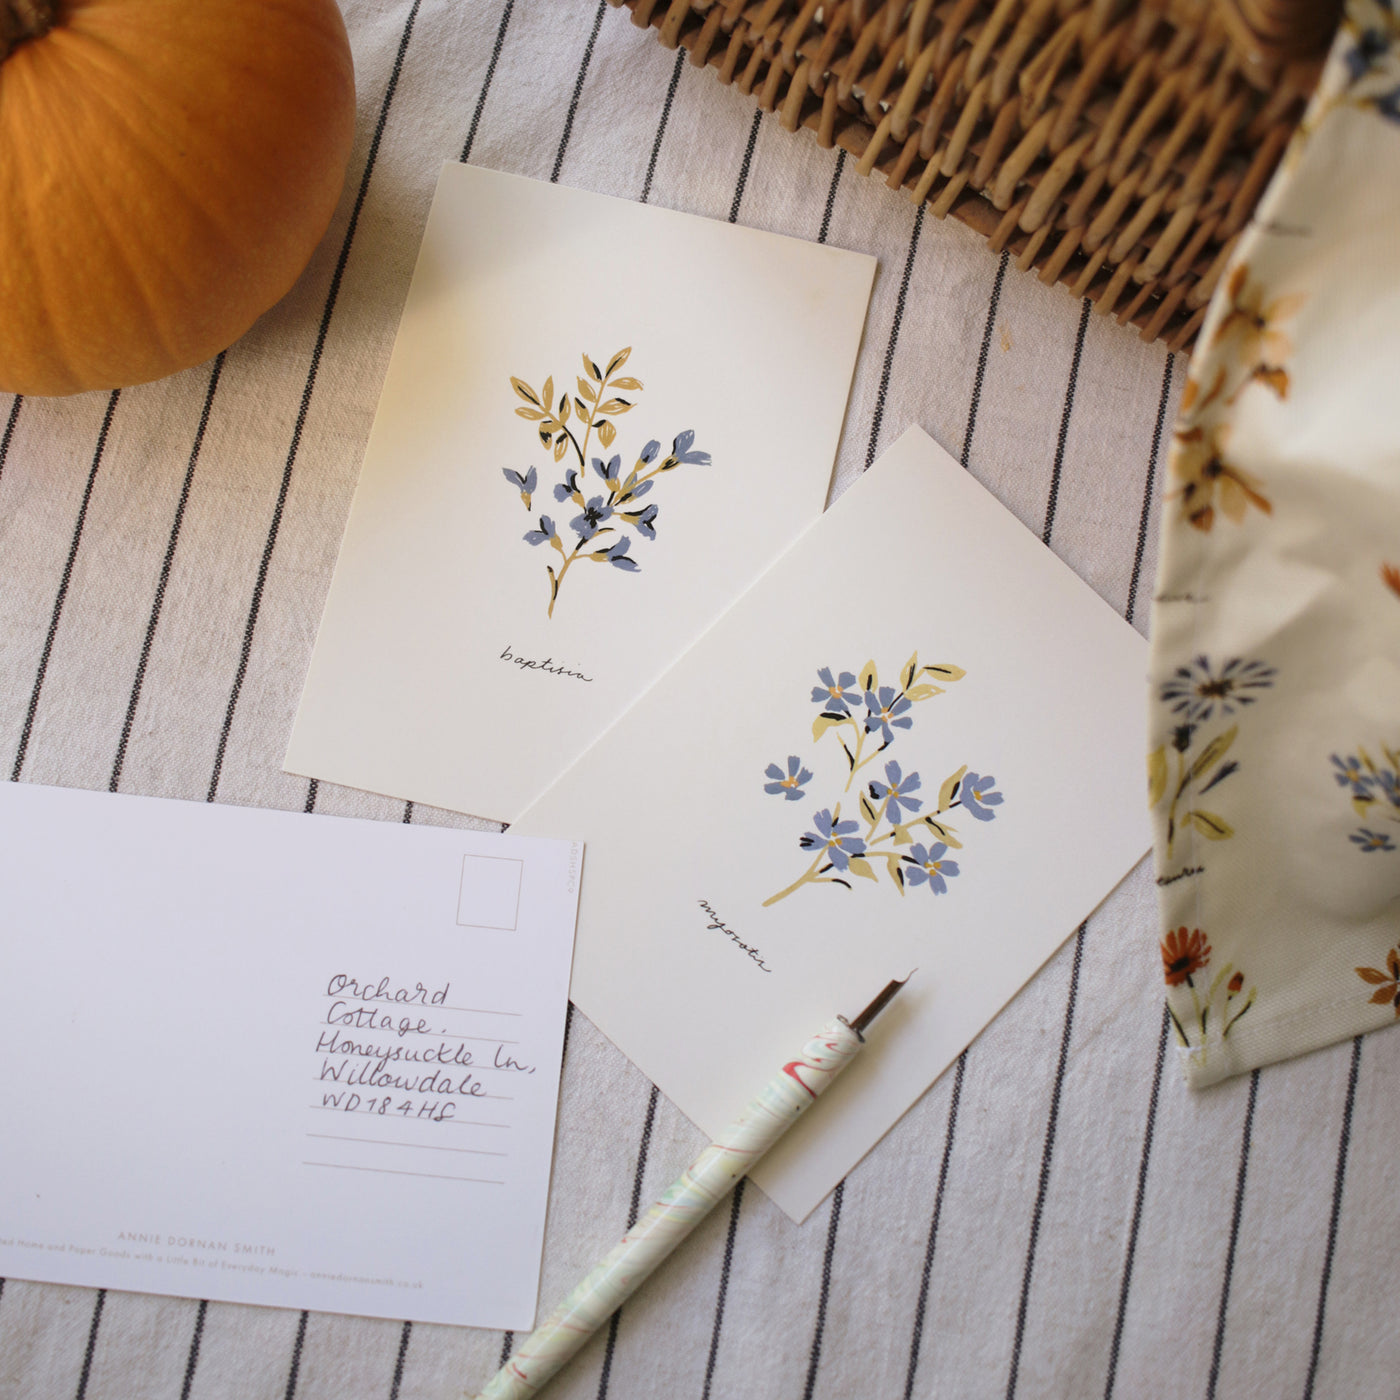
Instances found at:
x=916 y=742
x=271 y=1058
x=600 y=422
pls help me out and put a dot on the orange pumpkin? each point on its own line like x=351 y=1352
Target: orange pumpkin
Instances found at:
x=166 y=169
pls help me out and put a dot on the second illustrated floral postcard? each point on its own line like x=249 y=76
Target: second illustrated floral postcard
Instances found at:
x=916 y=742
x=600 y=423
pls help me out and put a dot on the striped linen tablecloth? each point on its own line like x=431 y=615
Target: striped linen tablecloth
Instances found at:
x=1059 y=1215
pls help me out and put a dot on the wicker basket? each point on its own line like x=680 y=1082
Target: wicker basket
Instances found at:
x=1118 y=148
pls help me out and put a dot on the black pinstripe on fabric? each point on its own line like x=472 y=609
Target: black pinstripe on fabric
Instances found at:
x=192 y=1359
x=1149 y=489
x=633 y=1211
x=153 y=620
x=661 y=125
x=814 y=1359
x=404 y=1334
x=91 y=1345
x=250 y=625
x=831 y=195
x=486 y=83
x=879 y=417
x=921 y=1306
x=507 y=1346
x=1218 y=1347
x=1334 y=1219
x=313 y=787
x=407 y=813
x=1064 y=424
x=578 y=94
x=736 y=1202
x=1138 y=1198
x=9 y=432
x=2 y=1290
x=64 y=581
x=1047 y=1154
x=744 y=166
x=294 y=1370
x=982 y=356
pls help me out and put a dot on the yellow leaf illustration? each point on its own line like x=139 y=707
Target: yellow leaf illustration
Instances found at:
x=911 y=669
x=869 y=676
x=945 y=672
x=524 y=390
x=1210 y=826
x=822 y=723
x=561 y=446
x=950 y=786
x=618 y=360
x=896 y=868
x=547 y=396
x=564 y=408
x=627 y=383
x=1156 y=775
x=924 y=692
x=615 y=406
x=867 y=808
x=586 y=390
x=533 y=414
x=591 y=370
x=606 y=433
x=1213 y=752
x=944 y=833
x=860 y=866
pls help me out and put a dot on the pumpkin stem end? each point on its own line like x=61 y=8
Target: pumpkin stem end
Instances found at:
x=21 y=20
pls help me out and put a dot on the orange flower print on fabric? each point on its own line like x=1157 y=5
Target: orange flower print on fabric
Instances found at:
x=1202 y=1015
x=1387 y=982
x=1208 y=478
x=1183 y=953
x=1253 y=322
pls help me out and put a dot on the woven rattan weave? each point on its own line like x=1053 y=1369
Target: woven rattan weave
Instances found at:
x=1116 y=147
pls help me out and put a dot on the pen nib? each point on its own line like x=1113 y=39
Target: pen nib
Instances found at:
x=859 y=1023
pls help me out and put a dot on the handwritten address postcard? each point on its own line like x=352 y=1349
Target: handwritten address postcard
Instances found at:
x=915 y=743
x=273 y=1058
x=601 y=421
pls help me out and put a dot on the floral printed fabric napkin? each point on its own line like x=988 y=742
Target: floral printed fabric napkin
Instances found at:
x=1274 y=764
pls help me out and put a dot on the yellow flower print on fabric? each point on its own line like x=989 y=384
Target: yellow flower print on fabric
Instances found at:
x=1251 y=345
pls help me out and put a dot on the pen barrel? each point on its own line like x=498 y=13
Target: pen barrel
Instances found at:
x=680 y=1209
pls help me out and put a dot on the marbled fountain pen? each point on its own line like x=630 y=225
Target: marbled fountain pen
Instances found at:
x=685 y=1204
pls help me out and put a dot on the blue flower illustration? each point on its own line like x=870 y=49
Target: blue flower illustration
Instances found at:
x=545 y=532
x=1369 y=840
x=1351 y=774
x=791 y=783
x=680 y=450
x=525 y=483
x=929 y=864
x=834 y=838
x=649 y=452
x=640 y=489
x=645 y=521
x=835 y=695
x=885 y=710
x=611 y=472
x=617 y=556
x=977 y=794
x=568 y=488
x=897 y=792
x=1198 y=690
x=585 y=526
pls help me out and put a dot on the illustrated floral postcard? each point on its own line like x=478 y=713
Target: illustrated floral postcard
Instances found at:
x=600 y=422
x=916 y=743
